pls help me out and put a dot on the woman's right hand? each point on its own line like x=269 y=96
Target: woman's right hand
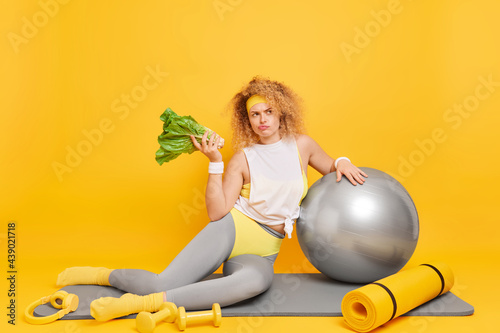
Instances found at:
x=209 y=149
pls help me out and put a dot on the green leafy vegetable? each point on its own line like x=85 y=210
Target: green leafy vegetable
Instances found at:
x=175 y=138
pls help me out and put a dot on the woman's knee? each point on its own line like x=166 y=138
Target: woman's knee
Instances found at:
x=254 y=272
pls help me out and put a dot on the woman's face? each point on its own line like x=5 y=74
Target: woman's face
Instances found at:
x=265 y=122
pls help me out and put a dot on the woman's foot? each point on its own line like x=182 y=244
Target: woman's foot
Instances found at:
x=84 y=275
x=106 y=308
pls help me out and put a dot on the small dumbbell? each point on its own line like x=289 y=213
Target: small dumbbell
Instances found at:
x=146 y=322
x=183 y=318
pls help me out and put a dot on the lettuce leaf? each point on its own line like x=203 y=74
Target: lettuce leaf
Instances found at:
x=175 y=140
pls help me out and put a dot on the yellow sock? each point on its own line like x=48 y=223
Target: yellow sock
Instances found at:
x=106 y=308
x=84 y=275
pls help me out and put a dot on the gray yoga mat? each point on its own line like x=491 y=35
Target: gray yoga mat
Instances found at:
x=313 y=295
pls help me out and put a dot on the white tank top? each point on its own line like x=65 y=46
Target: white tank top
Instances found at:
x=276 y=184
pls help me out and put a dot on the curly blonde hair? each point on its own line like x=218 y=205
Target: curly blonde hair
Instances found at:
x=279 y=96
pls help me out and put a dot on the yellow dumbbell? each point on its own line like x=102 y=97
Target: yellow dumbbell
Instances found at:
x=146 y=322
x=183 y=318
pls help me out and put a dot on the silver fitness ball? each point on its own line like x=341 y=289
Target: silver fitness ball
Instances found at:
x=361 y=233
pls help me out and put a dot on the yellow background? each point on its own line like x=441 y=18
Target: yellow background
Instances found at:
x=379 y=104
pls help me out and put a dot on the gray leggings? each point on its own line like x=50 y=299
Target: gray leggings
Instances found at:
x=244 y=276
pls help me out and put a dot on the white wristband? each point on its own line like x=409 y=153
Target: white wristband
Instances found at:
x=340 y=159
x=216 y=167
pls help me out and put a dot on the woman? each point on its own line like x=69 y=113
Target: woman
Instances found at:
x=251 y=209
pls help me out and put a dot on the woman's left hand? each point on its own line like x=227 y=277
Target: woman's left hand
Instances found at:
x=354 y=174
